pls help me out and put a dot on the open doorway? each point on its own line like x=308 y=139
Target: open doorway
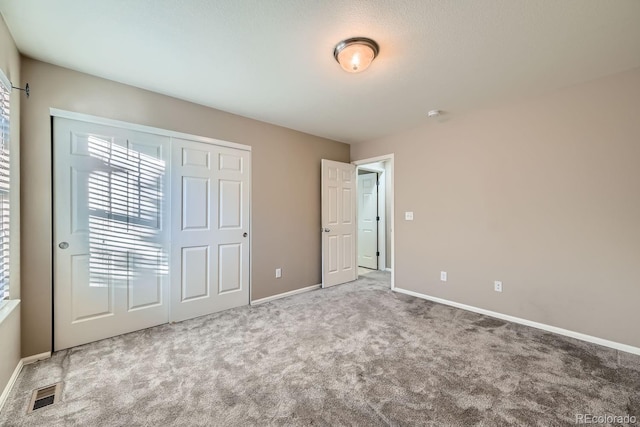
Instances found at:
x=374 y=207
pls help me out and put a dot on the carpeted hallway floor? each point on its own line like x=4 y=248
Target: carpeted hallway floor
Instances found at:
x=356 y=354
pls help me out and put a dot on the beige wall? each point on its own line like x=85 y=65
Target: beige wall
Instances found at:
x=10 y=326
x=285 y=182
x=543 y=195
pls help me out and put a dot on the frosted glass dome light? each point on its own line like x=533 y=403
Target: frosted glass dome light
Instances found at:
x=356 y=54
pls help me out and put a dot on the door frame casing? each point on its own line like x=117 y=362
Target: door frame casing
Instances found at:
x=390 y=196
x=55 y=112
x=88 y=118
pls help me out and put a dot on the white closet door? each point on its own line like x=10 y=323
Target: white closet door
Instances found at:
x=210 y=242
x=110 y=231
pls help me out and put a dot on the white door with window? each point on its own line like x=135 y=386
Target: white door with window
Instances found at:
x=147 y=229
x=338 y=223
x=210 y=233
x=368 y=220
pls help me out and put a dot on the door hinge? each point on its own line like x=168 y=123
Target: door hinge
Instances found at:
x=377 y=218
x=377 y=253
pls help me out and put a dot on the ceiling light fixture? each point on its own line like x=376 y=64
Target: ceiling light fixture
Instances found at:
x=356 y=54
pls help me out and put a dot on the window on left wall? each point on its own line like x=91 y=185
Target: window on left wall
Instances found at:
x=5 y=93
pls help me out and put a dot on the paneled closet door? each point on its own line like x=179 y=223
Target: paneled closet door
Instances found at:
x=210 y=229
x=111 y=231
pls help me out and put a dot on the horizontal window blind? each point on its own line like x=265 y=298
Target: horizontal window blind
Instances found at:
x=5 y=91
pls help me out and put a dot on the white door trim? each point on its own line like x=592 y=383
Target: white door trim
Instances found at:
x=55 y=112
x=392 y=200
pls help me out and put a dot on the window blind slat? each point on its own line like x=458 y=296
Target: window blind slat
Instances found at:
x=5 y=186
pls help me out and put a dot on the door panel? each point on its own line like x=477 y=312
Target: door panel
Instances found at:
x=209 y=246
x=347 y=206
x=196 y=158
x=195 y=203
x=110 y=198
x=332 y=254
x=230 y=206
x=348 y=249
x=195 y=273
x=338 y=223
x=230 y=162
x=230 y=267
x=145 y=289
x=88 y=301
x=367 y=220
x=332 y=205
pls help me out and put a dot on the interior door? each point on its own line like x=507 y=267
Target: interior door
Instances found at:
x=368 y=220
x=110 y=231
x=209 y=242
x=338 y=223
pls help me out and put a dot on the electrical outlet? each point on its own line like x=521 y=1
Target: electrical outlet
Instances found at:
x=497 y=286
x=408 y=216
x=443 y=276
x=278 y=273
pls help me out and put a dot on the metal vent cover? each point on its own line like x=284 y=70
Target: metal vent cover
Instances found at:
x=45 y=396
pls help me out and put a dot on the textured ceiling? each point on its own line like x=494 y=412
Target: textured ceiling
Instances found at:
x=272 y=59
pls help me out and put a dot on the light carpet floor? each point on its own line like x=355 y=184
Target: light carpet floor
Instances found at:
x=356 y=354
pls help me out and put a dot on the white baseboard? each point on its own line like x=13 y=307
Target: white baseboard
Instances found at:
x=537 y=325
x=387 y=269
x=35 y=358
x=285 y=294
x=16 y=373
x=9 y=386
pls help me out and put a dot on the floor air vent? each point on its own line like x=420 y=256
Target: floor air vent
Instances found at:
x=45 y=396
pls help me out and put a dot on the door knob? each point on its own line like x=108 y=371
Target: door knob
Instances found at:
x=244 y=234
x=63 y=245
x=326 y=230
